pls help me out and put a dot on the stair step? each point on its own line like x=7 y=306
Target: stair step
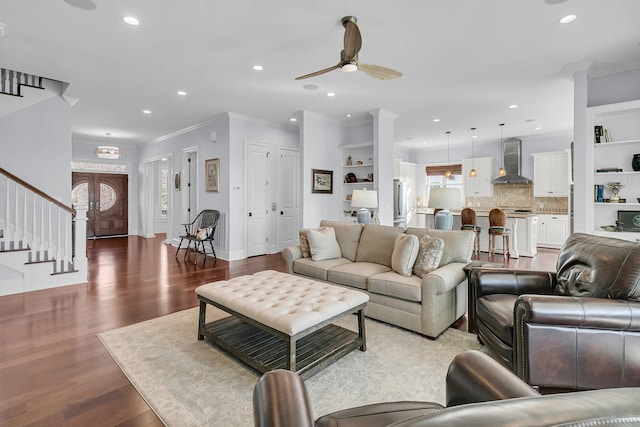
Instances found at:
x=57 y=273
x=40 y=261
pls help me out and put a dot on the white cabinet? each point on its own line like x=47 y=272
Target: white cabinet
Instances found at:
x=527 y=236
x=551 y=174
x=553 y=230
x=481 y=185
x=358 y=175
x=612 y=162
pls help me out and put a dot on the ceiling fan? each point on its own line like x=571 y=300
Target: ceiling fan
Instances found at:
x=349 y=56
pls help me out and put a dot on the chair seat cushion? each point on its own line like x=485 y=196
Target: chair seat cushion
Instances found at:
x=471 y=227
x=496 y=312
x=377 y=414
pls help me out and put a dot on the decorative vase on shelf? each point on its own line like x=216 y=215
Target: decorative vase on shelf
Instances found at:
x=349 y=161
x=635 y=163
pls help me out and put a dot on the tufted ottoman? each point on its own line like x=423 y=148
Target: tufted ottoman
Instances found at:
x=280 y=321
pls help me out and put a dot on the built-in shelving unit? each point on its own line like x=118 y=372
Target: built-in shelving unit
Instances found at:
x=362 y=168
x=622 y=123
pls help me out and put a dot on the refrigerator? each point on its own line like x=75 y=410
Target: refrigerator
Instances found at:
x=400 y=190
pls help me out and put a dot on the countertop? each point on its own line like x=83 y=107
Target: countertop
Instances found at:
x=485 y=213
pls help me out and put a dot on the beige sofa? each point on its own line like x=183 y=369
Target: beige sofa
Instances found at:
x=427 y=305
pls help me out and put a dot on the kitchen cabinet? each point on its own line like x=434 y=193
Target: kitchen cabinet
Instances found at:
x=481 y=185
x=357 y=174
x=551 y=174
x=612 y=162
x=553 y=230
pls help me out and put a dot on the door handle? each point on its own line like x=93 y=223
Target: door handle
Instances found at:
x=250 y=214
x=281 y=212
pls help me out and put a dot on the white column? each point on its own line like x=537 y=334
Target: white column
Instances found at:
x=80 y=257
x=383 y=131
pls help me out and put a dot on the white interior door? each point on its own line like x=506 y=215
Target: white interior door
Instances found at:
x=258 y=197
x=288 y=208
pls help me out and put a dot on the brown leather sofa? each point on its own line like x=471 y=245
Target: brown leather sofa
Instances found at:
x=576 y=328
x=480 y=393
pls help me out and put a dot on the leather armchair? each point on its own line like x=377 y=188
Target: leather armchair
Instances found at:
x=576 y=328
x=480 y=393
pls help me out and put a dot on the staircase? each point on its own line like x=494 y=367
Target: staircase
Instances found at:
x=11 y=82
x=42 y=241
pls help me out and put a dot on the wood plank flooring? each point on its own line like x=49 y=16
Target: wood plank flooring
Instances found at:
x=53 y=369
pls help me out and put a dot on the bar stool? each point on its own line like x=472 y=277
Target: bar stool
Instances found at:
x=498 y=227
x=468 y=217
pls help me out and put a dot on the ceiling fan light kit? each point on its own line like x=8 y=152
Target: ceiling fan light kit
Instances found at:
x=349 y=56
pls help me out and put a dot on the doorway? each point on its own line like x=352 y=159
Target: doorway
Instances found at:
x=106 y=197
x=258 y=197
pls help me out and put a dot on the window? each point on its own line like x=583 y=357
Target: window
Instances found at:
x=163 y=176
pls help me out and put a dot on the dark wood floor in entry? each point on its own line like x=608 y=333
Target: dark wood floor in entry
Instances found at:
x=53 y=369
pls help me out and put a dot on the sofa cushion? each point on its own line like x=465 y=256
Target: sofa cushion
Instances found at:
x=496 y=311
x=458 y=244
x=347 y=235
x=405 y=251
x=396 y=285
x=376 y=244
x=600 y=267
x=355 y=274
x=429 y=255
x=323 y=244
x=317 y=269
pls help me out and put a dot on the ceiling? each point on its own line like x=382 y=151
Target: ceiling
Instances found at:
x=463 y=62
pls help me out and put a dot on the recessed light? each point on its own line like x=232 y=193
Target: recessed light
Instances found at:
x=538 y=128
x=331 y=94
x=131 y=20
x=293 y=119
x=182 y=93
x=257 y=67
x=567 y=19
x=513 y=106
x=436 y=120
x=146 y=111
x=348 y=115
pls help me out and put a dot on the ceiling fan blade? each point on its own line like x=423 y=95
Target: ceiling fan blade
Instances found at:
x=352 y=39
x=378 y=72
x=317 y=73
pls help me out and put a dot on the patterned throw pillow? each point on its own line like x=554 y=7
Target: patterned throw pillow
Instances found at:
x=304 y=243
x=429 y=255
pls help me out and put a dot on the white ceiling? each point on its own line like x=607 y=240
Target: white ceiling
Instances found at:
x=464 y=61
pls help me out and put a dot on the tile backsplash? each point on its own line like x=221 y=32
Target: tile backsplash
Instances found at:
x=518 y=196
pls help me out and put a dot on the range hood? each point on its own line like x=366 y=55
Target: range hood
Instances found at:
x=512 y=157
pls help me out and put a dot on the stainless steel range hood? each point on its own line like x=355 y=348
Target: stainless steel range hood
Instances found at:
x=512 y=157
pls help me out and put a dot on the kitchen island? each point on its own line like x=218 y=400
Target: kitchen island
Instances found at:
x=523 y=225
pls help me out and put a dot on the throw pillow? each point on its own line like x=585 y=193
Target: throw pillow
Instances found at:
x=429 y=255
x=304 y=243
x=323 y=244
x=405 y=252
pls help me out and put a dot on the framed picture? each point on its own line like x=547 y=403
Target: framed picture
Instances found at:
x=212 y=167
x=322 y=181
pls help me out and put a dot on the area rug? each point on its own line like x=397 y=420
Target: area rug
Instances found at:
x=192 y=383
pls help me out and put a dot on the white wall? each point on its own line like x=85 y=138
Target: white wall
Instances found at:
x=614 y=88
x=319 y=139
x=35 y=143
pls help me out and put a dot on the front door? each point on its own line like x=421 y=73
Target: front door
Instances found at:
x=106 y=197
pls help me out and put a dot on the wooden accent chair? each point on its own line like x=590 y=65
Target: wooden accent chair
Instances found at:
x=199 y=231
x=468 y=217
x=498 y=227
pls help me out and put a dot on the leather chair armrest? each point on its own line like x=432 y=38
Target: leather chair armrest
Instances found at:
x=291 y=254
x=475 y=377
x=280 y=399
x=580 y=312
x=484 y=281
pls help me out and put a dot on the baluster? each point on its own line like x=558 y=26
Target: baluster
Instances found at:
x=49 y=247
x=67 y=231
x=58 y=240
x=16 y=218
x=34 y=228
x=25 y=226
x=42 y=229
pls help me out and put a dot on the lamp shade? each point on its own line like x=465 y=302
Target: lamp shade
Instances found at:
x=364 y=199
x=446 y=198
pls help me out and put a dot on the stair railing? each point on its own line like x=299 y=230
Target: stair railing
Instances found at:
x=35 y=222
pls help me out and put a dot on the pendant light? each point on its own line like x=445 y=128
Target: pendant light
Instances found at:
x=473 y=173
x=448 y=173
x=502 y=171
x=108 y=151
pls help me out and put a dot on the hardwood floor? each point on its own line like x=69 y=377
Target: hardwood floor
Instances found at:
x=53 y=369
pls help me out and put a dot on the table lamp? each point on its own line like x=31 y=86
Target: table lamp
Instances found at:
x=447 y=199
x=364 y=200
